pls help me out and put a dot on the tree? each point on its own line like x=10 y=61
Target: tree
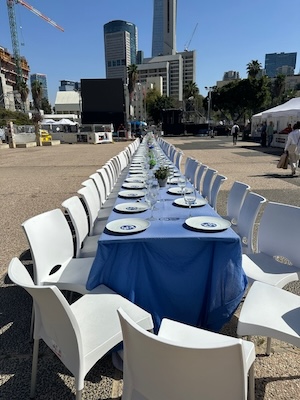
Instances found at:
x=132 y=72
x=278 y=89
x=46 y=106
x=253 y=68
x=157 y=105
x=23 y=89
x=190 y=90
x=37 y=95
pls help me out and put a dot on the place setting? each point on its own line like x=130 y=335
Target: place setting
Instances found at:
x=133 y=185
x=127 y=226
x=131 y=208
x=207 y=224
x=131 y=194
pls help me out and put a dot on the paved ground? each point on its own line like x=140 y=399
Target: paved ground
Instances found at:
x=38 y=179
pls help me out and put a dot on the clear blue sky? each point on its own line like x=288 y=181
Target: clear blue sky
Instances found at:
x=230 y=33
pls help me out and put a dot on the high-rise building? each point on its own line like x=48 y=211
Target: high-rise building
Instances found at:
x=120 y=42
x=275 y=61
x=42 y=78
x=164 y=28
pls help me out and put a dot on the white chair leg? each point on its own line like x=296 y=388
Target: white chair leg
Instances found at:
x=31 y=323
x=78 y=394
x=251 y=383
x=35 y=355
x=268 y=351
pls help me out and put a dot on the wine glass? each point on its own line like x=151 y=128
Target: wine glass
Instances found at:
x=190 y=198
x=181 y=183
x=151 y=201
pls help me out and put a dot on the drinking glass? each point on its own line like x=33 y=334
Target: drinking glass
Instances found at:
x=181 y=183
x=190 y=198
x=151 y=201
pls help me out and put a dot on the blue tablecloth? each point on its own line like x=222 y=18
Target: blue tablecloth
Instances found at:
x=170 y=271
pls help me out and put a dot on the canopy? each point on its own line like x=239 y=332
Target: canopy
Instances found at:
x=290 y=108
x=48 y=121
x=64 y=121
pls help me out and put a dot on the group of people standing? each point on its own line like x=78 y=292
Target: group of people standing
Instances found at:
x=267 y=132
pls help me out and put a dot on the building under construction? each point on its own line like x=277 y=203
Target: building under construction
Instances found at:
x=8 y=77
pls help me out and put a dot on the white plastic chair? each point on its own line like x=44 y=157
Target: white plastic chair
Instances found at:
x=92 y=205
x=207 y=183
x=246 y=220
x=178 y=159
x=235 y=199
x=79 y=334
x=272 y=312
x=191 y=170
x=215 y=188
x=277 y=261
x=183 y=362
x=85 y=246
x=200 y=174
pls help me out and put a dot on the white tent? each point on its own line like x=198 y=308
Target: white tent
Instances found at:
x=64 y=121
x=290 y=108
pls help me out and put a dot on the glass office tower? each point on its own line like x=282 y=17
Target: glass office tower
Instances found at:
x=275 y=61
x=120 y=42
x=164 y=28
x=42 y=78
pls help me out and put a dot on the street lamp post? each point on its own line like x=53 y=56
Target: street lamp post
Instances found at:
x=209 y=88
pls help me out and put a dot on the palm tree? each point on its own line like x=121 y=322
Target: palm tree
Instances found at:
x=24 y=91
x=37 y=95
x=132 y=72
x=253 y=68
x=190 y=90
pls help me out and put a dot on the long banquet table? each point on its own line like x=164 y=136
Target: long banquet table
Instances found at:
x=189 y=276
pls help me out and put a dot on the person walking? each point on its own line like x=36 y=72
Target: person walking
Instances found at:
x=270 y=132
x=235 y=131
x=292 y=147
x=264 y=134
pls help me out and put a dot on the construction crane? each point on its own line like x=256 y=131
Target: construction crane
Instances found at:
x=186 y=47
x=14 y=31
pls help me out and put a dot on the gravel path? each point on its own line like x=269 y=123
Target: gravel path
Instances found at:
x=35 y=180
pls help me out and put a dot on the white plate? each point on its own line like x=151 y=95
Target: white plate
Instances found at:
x=131 y=207
x=174 y=181
x=131 y=194
x=133 y=185
x=181 y=202
x=178 y=190
x=176 y=174
x=208 y=224
x=128 y=225
x=134 y=180
x=135 y=171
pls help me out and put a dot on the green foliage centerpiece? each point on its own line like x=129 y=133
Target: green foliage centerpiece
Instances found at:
x=161 y=174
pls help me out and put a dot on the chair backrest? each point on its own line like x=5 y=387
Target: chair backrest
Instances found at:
x=50 y=240
x=279 y=232
x=178 y=159
x=217 y=183
x=201 y=172
x=247 y=217
x=158 y=369
x=91 y=206
x=79 y=220
x=207 y=183
x=54 y=321
x=100 y=187
x=104 y=176
x=92 y=185
x=191 y=170
x=235 y=200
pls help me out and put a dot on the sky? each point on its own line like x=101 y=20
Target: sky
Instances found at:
x=229 y=34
